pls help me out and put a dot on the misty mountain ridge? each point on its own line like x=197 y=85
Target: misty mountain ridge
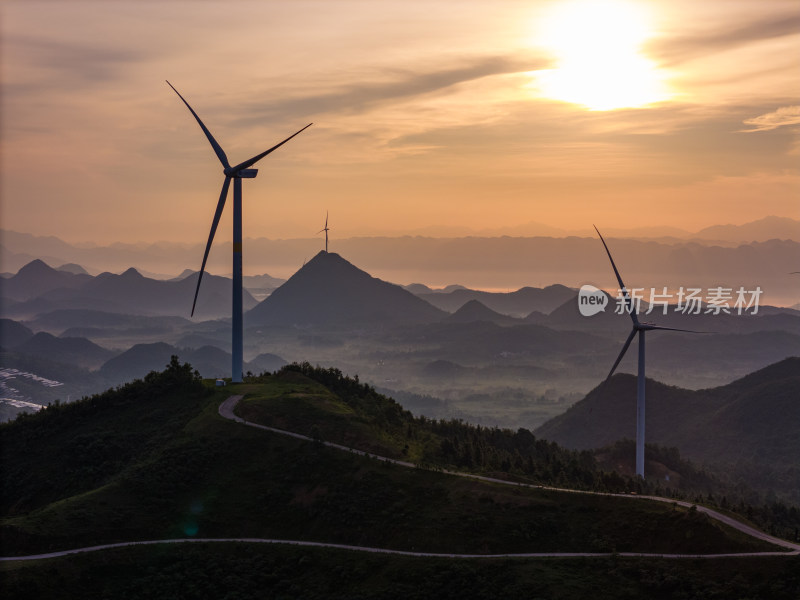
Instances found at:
x=474 y=310
x=36 y=278
x=44 y=289
x=519 y=303
x=81 y=351
x=770 y=227
x=479 y=262
x=210 y=361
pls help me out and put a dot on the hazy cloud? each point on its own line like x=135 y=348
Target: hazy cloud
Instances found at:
x=45 y=63
x=396 y=84
x=785 y=115
x=678 y=49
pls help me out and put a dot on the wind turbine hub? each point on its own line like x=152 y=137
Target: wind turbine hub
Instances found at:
x=241 y=173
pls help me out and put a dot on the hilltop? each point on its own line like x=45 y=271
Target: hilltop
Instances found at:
x=153 y=459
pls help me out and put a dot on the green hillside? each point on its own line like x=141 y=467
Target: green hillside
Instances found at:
x=154 y=460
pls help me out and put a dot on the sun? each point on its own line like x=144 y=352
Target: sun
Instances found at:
x=597 y=48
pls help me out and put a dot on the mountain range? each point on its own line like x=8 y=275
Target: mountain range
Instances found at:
x=487 y=366
x=519 y=303
x=210 y=361
x=763 y=259
x=38 y=288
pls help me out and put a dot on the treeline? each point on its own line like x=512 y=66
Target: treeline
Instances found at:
x=124 y=423
x=454 y=444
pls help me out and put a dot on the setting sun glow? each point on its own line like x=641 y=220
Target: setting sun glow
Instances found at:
x=597 y=47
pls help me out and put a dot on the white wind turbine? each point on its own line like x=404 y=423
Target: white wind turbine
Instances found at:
x=237 y=173
x=638 y=328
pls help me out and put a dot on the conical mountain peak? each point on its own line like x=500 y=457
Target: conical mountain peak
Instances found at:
x=330 y=291
x=35 y=267
x=132 y=273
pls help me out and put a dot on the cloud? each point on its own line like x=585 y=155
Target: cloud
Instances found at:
x=785 y=115
x=397 y=84
x=44 y=64
x=673 y=50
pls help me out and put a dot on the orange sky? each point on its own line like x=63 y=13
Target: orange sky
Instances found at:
x=430 y=117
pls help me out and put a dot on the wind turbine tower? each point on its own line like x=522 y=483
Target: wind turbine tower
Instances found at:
x=326 y=229
x=235 y=173
x=639 y=328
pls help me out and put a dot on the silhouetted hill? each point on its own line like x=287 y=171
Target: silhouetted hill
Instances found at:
x=140 y=359
x=518 y=304
x=184 y=274
x=37 y=278
x=421 y=288
x=73 y=268
x=329 y=291
x=70 y=350
x=264 y=281
x=46 y=290
x=753 y=420
x=59 y=321
x=536 y=318
x=418 y=288
x=209 y=360
x=13 y=334
x=474 y=310
x=768 y=228
x=132 y=293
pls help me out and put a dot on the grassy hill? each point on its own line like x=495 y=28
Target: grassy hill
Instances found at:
x=154 y=460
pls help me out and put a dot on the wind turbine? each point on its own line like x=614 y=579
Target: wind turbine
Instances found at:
x=237 y=173
x=326 y=230
x=638 y=328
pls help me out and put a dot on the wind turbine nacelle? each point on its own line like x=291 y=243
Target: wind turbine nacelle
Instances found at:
x=247 y=173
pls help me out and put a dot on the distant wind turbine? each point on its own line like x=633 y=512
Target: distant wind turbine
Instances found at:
x=640 y=328
x=326 y=230
x=237 y=173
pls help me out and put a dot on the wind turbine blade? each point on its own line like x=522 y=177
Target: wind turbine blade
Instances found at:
x=326 y=220
x=675 y=329
x=220 y=205
x=255 y=159
x=217 y=148
x=621 y=354
x=631 y=308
